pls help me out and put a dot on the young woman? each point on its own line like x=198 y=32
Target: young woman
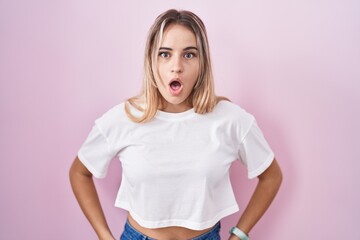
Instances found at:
x=176 y=142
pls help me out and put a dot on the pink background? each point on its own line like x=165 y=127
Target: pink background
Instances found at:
x=293 y=64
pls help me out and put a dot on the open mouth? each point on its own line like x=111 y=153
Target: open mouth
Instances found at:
x=175 y=86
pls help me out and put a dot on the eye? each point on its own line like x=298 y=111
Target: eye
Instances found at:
x=164 y=54
x=189 y=55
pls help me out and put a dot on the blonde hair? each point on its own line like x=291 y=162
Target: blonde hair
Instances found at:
x=202 y=98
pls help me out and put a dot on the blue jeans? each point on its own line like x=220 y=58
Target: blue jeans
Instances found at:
x=130 y=233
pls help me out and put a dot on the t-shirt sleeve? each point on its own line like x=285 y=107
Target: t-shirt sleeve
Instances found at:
x=96 y=152
x=255 y=151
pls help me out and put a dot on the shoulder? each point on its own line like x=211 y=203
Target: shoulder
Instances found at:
x=114 y=117
x=232 y=111
x=233 y=116
x=111 y=114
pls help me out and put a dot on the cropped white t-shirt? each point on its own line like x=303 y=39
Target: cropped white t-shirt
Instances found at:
x=175 y=168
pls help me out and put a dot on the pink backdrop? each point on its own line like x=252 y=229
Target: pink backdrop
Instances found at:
x=293 y=64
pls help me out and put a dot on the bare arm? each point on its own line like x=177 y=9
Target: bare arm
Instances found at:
x=86 y=195
x=266 y=189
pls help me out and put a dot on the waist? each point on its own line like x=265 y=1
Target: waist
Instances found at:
x=169 y=233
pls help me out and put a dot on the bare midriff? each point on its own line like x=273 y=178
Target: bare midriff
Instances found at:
x=167 y=233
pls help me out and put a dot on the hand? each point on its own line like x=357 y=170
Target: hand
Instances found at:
x=233 y=237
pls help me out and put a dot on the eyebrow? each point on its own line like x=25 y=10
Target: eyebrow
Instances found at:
x=185 y=49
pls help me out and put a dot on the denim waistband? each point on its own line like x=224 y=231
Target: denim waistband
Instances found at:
x=130 y=233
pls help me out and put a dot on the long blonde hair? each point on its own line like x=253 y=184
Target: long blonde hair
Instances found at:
x=202 y=98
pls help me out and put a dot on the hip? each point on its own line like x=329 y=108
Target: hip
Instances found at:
x=134 y=231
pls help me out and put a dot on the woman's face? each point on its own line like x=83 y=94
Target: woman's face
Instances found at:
x=178 y=67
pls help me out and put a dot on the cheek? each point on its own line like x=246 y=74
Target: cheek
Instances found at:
x=195 y=71
x=161 y=71
x=161 y=77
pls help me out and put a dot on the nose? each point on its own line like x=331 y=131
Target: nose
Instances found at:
x=177 y=66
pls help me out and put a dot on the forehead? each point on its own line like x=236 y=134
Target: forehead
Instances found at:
x=176 y=35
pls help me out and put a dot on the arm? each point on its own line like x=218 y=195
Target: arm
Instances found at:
x=266 y=189
x=86 y=195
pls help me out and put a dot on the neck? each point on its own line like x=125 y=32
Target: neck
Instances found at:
x=175 y=108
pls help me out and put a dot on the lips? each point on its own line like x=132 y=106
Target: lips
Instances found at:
x=175 y=86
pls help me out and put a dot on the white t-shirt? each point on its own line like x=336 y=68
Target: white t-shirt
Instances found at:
x=175 y=168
